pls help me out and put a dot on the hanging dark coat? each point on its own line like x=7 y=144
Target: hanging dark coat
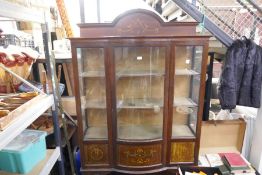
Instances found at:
x=241 y=78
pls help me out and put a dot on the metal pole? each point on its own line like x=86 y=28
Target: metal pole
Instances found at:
x=51 y=76
x=249 y=10
x=98 y=11
x=253 y=31
x=254 y=4
x=194 y=2
x=208 y=87
x=82 y=10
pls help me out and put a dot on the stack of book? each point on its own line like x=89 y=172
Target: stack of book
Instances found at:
x=230 y=163
x=237 y=164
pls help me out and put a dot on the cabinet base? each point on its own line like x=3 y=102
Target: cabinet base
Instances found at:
x=113 y=171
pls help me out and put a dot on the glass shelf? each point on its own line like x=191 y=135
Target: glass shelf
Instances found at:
x=126 y=132
x=127 y=73
x=127 y=104
x=183 y=101
x=138 y=73
x=140 y=103
x=186 y=72
x=96 y=132
x=182 y=131
x=133 y=132
x=93 y=74
x=96 y=104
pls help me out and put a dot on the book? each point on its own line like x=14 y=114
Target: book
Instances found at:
x=244 y=173
x=203 y=162
x=234 y=161
x=249 y=170
x=214 y=160
x=224 y=170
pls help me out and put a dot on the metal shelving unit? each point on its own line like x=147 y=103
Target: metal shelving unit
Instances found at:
x=27 y=116
x=18 y=12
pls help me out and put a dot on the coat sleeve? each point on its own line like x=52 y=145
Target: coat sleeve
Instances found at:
x=257 y=79
x=231 y=75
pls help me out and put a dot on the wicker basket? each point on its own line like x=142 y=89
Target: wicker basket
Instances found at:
x=17 y=61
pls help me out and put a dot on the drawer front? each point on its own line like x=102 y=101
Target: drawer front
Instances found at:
x=143 y=155
x=182 y=152
x=96 y=154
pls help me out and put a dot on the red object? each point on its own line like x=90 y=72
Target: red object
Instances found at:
x=234 y=159
x=4 y=90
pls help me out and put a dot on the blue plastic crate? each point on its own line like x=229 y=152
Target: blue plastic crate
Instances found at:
x=24 y=152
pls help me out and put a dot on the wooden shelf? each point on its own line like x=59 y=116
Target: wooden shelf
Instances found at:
x=69 y=103
x=26 y=113
x=50 y=139
x=57 y=60
x=43 y=167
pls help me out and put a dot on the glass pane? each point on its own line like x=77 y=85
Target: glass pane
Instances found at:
x=140 y=91
x=93 y=92
x=188 y=61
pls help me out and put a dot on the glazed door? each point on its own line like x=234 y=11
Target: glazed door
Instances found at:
x=140 y=77
x=92 y=105
x=92 y=88
x=186 y=102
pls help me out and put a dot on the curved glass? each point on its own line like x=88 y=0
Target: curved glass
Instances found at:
x=140 y=74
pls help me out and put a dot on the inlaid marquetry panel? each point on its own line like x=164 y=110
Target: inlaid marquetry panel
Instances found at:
x=96 y=153
x=137 y=24
x=133 y=155
x=182 y=152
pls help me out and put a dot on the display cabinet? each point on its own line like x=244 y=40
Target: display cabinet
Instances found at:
x=139 y=86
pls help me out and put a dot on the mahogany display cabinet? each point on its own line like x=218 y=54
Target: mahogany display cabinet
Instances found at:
x=139 y=86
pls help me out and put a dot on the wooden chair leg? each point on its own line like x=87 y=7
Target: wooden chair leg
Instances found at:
x=67 y=79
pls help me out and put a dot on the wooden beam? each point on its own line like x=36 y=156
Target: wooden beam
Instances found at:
x=18 y=12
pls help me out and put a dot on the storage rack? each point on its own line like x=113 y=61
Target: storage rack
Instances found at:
x=18 y=12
